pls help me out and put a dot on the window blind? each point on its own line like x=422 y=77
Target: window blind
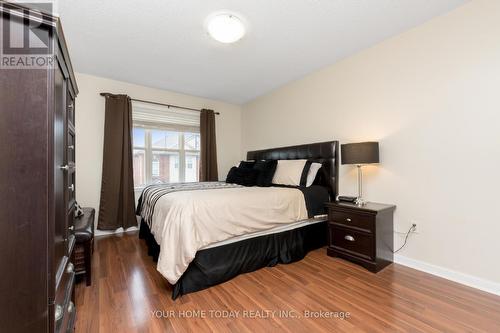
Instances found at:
x=151 y=115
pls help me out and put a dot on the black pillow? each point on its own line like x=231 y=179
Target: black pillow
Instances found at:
x=266 y=172
x=305 y=171
x=247 y=164
x=242 y=176
x=232 y=176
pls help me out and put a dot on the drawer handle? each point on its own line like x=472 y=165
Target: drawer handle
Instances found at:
x=348 y=219
x=72 y=188
x=70 y=106
x=71 y=227
x=71 y=307
x=71 y=147
x=349 y=238
x=59 y=312
x=70 y=268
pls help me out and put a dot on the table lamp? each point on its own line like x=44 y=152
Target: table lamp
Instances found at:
x=360 y=154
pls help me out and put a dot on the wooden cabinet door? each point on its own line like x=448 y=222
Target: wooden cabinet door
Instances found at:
x=24 y=174
x=61 y=169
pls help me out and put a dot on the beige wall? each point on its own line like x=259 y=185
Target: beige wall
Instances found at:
x=90 y=129
x=431 y=96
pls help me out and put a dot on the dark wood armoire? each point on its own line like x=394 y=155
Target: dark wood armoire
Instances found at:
x=37 y=173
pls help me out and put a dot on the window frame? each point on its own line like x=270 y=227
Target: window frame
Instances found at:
x=148 y=149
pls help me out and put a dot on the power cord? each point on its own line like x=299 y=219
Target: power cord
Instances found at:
x=412 y=228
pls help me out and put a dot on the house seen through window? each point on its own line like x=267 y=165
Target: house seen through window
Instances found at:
x=164 y=153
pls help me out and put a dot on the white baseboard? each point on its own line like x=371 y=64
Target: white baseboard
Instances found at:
x=468 y=280
x=98 y=233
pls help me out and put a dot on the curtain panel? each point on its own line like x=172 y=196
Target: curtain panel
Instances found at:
x=116 y=207
x=208 y=151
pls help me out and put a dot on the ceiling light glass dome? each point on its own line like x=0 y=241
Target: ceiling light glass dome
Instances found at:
x=225 y=28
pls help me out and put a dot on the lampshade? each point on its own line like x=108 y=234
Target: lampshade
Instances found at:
x=359 y=153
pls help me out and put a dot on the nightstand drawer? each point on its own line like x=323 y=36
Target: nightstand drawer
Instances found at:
x=352 y=219
x=354 y=242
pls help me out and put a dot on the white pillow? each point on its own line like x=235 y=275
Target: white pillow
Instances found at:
x=313 y=171
x=289 y=172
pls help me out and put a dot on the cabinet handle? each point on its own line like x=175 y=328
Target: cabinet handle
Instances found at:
x=71 y=147
x=348 y=219
x=58 y=312
x=71 y=106
x=349 y=238
x=72 y=188
x=66 y=167
x=71 y=307
x=70 y=268
x=71 y=228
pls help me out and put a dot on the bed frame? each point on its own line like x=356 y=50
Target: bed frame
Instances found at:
x=219 y=264
x=325 y=153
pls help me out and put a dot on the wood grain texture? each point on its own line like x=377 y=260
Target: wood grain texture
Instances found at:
x=34 y=235
x=363 y=235
x=126 y=287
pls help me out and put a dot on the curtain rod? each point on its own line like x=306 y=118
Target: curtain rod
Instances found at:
x=162 y=104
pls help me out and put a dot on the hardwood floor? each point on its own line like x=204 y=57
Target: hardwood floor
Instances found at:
x=126 y=289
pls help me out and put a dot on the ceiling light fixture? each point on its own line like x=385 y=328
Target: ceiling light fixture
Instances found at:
x=225 y=28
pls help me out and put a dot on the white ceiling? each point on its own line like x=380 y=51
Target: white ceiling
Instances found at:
x=163 y=43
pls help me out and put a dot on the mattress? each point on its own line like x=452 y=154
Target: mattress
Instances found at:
x=184 y=218
x=275 y=230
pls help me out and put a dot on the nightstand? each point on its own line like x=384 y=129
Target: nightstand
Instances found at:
x=363 y=235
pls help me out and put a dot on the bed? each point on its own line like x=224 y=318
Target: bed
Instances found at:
x=203 y=234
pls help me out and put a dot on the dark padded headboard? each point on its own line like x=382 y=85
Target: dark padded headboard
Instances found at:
x=326 y=153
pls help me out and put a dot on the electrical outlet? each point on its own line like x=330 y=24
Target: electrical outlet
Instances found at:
x=417 y=229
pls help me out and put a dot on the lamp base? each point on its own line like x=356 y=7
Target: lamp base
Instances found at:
x=360 y=202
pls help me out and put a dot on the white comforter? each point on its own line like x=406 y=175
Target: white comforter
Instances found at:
x=184 y=222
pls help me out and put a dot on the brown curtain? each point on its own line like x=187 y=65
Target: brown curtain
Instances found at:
x=208 y=151
x=116 y=208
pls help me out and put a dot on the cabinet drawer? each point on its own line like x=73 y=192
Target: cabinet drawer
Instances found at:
x=354 y=242
x=70 y=108
x=71 y=146
x=70 y=191
x=70 y=222
x=352 y=219
x=64 y=306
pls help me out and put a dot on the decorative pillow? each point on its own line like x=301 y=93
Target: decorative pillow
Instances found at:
x=289 y=172
x=311 y=174
x=78 y=210
x=242 y=176
x=247 y=164
x=266 y=170
x=305 y=172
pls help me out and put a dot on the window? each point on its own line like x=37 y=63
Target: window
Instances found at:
x=162 y=156
x=166 y=146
